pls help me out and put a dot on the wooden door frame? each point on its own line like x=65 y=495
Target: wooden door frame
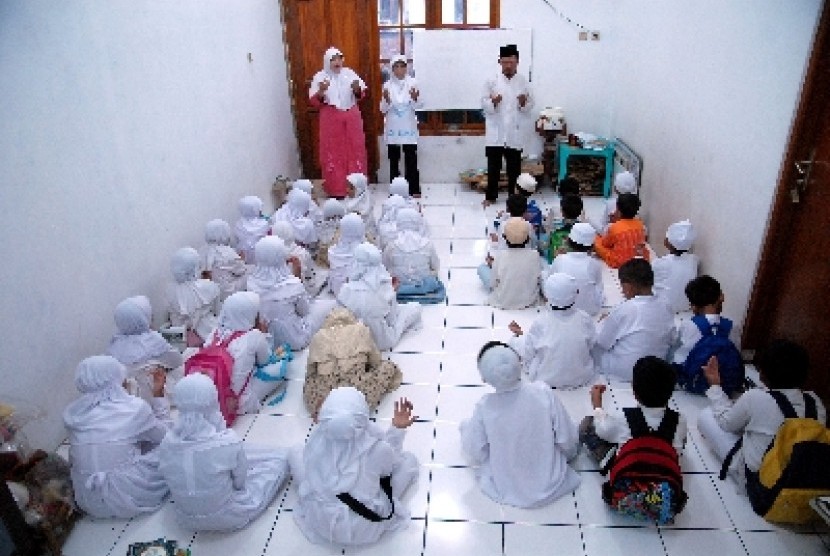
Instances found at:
x=815 y=92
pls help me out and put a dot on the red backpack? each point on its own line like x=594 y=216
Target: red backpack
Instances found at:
x=645 y=479
x=216 y=362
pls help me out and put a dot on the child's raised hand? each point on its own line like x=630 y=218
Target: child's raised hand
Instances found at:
x=597 y=390
x=711 y=370
x=403 y=417
x=515 y=328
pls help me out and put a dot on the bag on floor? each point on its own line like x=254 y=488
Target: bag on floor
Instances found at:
x=644 y=480
x=794 y=468
x=216 y=362
x=714 y=341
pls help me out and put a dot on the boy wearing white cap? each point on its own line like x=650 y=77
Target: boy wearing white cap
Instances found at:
x=586 y=270
x=513 y=277
x=557 y=348
x=525 y=470
x=673 y=271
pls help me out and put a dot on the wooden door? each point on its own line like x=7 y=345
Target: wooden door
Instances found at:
x=791 y=297
x=312 y=26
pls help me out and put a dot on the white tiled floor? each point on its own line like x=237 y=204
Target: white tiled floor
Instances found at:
x=450 y=516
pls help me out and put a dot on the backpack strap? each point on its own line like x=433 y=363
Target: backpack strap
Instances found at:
x=639 y=427
x=810 y=409
x=636 y=421
x=360 y=508
x=730 y=455
x=668 y=426
x=722 y=328
x=784 y=404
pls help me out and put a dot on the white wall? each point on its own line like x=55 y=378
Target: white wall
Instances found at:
x=125 y=127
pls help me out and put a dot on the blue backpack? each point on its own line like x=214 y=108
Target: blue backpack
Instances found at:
x=715 y=341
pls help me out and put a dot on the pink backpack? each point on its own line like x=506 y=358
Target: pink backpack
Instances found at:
x=217 y=363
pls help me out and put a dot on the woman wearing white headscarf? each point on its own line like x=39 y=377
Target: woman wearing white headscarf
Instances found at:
x=284 y=304
x=328 y=229
x=251 y=226
x=335 y=90
x=520 y=437
x=360 y=201
x=348 y=454
x=313 y=280
x=411 y=258
x=216 y=483
x=107 y=429
x=295 y=211
x=138 y=348
x=219 y=261
x=352 y=234
x=370 y=295
x=191 y=301
x=257 y=373
x=400 y=99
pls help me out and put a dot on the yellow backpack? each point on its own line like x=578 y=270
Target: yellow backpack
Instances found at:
x=794 y=468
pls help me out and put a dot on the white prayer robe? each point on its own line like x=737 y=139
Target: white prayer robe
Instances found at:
x=671 y=274
x=216 y=483
x=226 y=267
x=638 y=327
x=411 y=266
x=515 y=278
x=587 y=271
x=292 y=317
x=193 y=305
x=506 y=125
x=522 y=440
x=379 y=310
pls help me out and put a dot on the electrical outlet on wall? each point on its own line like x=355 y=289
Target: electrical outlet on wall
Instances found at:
x=594 y=35
x=583 y=35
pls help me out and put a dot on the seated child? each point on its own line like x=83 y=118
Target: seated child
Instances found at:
x=220 y=262
x=359 y=200
x=755 y=416
x=529 y=469
x=251 y=226
x=217 y=484
x=343 y=353
x=579 y=263
x=512 y=278
x=352 y=233
x=673 y=271
x=327 y=230
x=370 y=295
x=516 y=208
x=639 y=326
x=557 y=348
x=388 y=222
x=314 y=211
x=351 y=475
x=571 y=208
x=142 y=351
x=626 y=237
x=284 y=303
x=411 y=259
x=112 y=436
x=257 y=373
x=399 y=186
x=705 y=295
x=652 y=384
x=191 y=301
x=624 y=182
x=295 y=211
x=312 y=279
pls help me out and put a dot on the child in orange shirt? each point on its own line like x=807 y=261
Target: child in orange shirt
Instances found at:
x=626 y=237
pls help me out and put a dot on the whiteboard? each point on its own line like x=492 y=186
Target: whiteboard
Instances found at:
x=451 y=65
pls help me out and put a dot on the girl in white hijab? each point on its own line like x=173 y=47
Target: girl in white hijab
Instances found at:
x=257 y=372
x=327 y=229
x=250 y=227
x=352 y=234
x=348 y=454
x=191 y=301
x=370 y=295
x=388 y=221
x=520 y=437
x=217 y=483
x=107 y=429
x=284 y=304
x=335 y=90
x=219 y=261
x=295 y=211
x=314 y=211
x=141 y=350
x=411 y=258
x=360 y=201
x=313 y=280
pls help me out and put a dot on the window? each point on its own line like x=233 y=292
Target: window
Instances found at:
x=396 y=21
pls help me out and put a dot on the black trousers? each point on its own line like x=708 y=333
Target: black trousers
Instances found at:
x=514 y=168
x=410 y=165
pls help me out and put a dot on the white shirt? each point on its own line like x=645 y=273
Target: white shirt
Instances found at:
x=637 y=327
x=411 y=266
x=614 y=428
x=400 y=124
x=687 y=334
x=588 y=273
x=226 y=267
x=515 y=278
x=506 y=124
x=522 y=440
x=671 y=274
x=385 y=317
